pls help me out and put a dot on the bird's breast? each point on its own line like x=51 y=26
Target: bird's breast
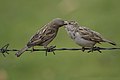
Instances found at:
x=82 y=42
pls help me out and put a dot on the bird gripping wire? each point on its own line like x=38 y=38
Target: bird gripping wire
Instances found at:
x=4 y=50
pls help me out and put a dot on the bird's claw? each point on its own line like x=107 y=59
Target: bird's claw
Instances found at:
x=95 y=49
x=50 y=49
x=83 y=49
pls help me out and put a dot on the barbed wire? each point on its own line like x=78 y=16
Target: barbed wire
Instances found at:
x=4 y=50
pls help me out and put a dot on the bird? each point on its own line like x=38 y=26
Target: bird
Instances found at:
x=44 y=36
x=84 y=36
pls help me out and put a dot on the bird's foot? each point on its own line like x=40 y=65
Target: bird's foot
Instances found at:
x=83 y=49
x=50 y=49
x=95 y=49
x=91 y=50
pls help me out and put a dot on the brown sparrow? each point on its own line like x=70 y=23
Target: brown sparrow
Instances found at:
x=84 y=36
x=44 y=36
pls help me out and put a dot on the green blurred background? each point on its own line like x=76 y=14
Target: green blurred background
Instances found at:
x=20 y=19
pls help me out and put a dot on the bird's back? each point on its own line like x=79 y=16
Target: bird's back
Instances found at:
x=89 y=34
x=43 y=37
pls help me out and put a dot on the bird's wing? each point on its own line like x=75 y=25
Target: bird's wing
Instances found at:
x=89 y=34
x=43 y=35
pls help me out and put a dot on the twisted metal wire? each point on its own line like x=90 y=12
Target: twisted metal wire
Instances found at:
x=4 y=50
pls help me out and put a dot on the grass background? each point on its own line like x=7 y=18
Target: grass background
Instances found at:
x=20 y=19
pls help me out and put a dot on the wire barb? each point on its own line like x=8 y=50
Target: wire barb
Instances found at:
x=50 y=49
x=5 y=49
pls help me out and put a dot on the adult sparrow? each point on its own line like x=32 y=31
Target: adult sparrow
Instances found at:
x=44 y=36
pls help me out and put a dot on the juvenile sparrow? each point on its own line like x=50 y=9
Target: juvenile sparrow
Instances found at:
x=84 y=36
x=44 y=36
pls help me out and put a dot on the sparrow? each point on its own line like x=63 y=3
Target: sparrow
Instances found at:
x=84 y=36
x=44 y=36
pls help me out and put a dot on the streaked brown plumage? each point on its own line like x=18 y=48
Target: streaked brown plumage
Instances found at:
x=84 y=36
x=44 y=36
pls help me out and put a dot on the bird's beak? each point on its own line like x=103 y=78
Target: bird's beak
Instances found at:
x=65 y=22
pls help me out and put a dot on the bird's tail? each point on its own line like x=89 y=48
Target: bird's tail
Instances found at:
x=21 y=51
x=110 y=42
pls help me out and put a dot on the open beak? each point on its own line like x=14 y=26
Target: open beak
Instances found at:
x=65 y=22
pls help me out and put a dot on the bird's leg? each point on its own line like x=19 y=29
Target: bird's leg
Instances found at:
x=50 y=49
x=32 y=49
x=83 y=49
x=91 y=49
x=46 y=50
x=95 y=48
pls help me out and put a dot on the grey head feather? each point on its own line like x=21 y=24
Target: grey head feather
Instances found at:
x=57 y=22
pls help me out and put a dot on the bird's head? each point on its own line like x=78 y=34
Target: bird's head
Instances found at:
x=58 y=22
x=71 y=25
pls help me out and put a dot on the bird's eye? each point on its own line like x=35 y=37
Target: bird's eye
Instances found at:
x=54 y=25
x=71 y=23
